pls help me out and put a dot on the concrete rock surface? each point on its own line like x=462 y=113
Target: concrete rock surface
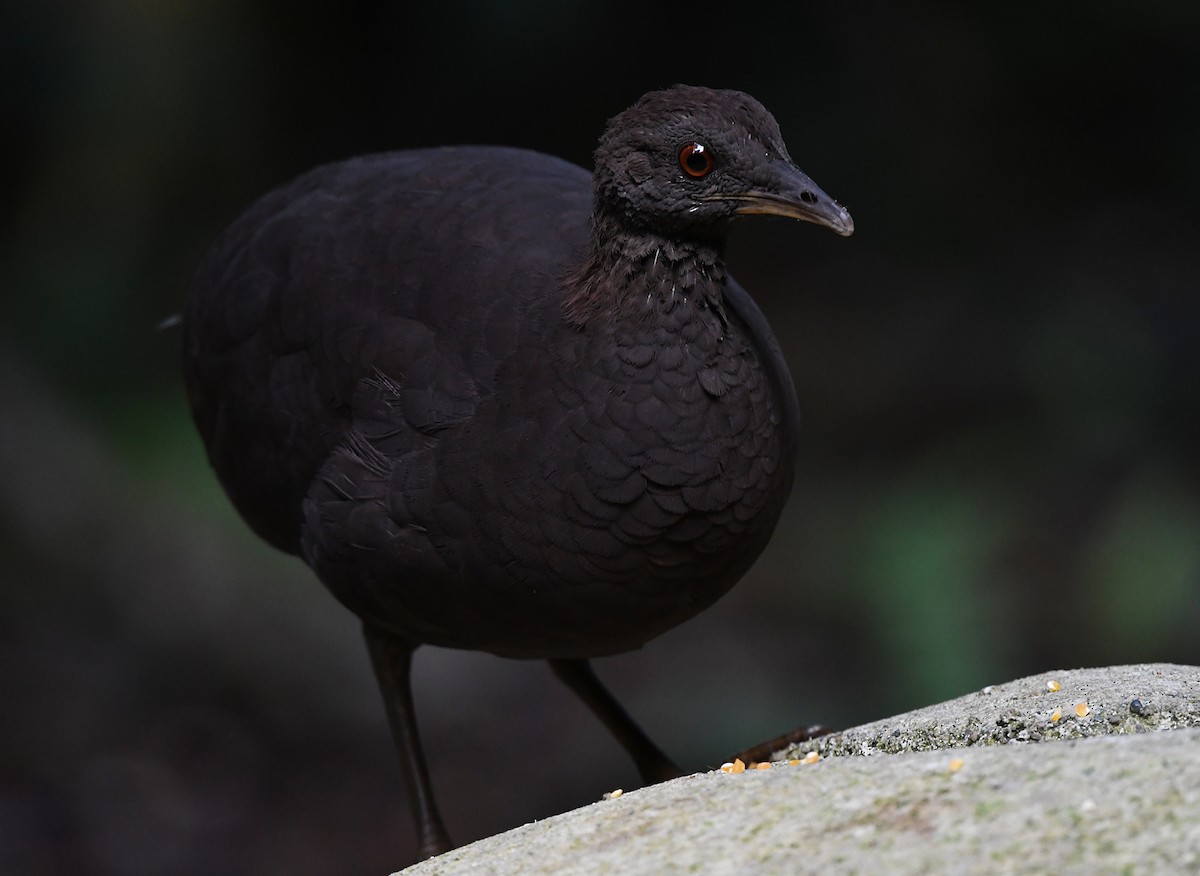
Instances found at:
x=966 y=786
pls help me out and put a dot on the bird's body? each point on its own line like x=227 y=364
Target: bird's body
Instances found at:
x=498 y=404
x=456 y=458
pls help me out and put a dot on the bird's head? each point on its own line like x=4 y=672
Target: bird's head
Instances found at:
x=687 y=161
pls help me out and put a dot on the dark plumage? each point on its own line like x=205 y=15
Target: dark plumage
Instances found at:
x=497 y=403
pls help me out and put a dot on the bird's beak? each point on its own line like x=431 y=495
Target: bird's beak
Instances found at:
x=792 y=194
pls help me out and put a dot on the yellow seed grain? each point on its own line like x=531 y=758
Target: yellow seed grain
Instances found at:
x=794 y=762
x=765 y=765
x=739 y=766
x=726 y=767
x=1053 y=686
x=1082 y=710
x=613 y=795
x=956 y=764
x=811 y=757
x=1056 y=716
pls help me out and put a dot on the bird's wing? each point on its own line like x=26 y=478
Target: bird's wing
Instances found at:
x=330 y=317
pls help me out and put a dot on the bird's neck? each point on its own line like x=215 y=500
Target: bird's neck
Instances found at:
x=636 y=274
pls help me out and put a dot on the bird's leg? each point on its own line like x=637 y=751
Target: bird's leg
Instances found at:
x=579 y=676
x=392 y=660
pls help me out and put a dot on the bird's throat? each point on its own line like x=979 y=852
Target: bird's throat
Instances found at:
x=635 y=275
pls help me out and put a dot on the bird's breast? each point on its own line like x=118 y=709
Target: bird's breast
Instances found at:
x=678 y=414
x=636 y=484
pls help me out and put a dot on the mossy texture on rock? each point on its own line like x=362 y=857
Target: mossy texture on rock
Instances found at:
x=1118 y=699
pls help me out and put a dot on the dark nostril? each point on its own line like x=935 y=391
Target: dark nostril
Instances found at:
x=808 y=197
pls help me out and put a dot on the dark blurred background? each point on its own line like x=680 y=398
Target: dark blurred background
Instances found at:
x=999 y=373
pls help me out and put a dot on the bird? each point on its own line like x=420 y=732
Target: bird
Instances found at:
x=499 y=403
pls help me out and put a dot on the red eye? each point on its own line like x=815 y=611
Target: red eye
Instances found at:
x=696 y=160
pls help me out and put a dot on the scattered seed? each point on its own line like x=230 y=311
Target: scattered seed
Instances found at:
x=794 y=762
x=738 y=766
x=726 y=767
x=811 y=757
x=613 y=795
x=956 y=764
x=1082 y=710
x=765 y=765
x=1056 y=716
x=1053 y=686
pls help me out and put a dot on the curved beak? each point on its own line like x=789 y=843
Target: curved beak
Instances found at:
x=792 y=194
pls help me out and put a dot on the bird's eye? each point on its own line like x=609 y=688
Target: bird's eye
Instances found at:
x=696 y=160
